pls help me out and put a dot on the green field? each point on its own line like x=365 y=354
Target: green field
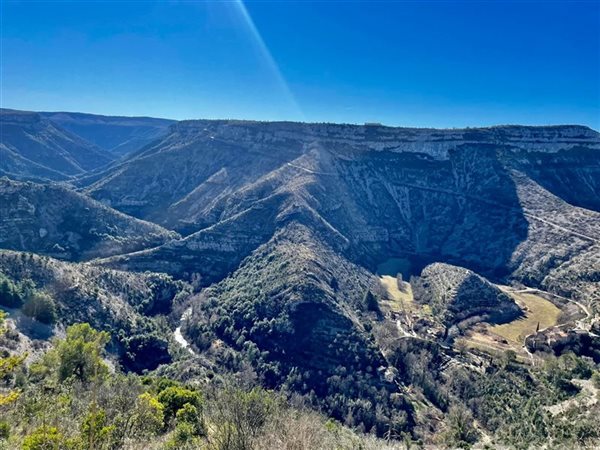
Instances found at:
x=536 y=309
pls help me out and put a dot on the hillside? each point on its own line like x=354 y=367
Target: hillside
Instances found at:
x=32 y=147
x=115 y=134
x=122 y=303
x=56 y=221
x=486 y=199
x=458 y=295
x=286 y=229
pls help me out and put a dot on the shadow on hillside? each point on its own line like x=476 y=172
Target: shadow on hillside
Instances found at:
x=28 y=326
x=463 y=210
x=573 y=175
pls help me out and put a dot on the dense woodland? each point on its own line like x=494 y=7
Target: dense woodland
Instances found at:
x=74 y=394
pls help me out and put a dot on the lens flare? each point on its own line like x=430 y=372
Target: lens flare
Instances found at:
x=269 y=61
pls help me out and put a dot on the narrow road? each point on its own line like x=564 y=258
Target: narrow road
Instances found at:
x=525 y=290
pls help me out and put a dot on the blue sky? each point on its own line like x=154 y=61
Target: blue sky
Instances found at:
x=437 y=63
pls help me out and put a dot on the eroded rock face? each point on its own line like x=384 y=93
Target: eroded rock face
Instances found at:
x=495 y=200
x=194 y=171
x=284 y=223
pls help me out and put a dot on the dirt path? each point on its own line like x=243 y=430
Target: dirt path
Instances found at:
x=314 y=172
x=570 y=300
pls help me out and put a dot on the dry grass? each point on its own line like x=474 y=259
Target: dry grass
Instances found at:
x=398 y=300
x=536 y=309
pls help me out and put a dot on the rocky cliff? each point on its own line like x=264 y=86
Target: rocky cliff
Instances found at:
x=488 y=199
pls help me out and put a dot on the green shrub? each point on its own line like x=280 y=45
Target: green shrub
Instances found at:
x=96 y=430
x=4 y=430
x=9 y=293
x=183 y=437
x=190 y=414
x=41 y=307
x=44 y=438
x=174 y=398
x=79 y=355
x=149 y=415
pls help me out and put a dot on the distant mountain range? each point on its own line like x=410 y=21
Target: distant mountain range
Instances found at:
x=34 y=147
x=115 y=134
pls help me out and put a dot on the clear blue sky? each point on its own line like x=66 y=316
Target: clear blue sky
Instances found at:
x=441 y=64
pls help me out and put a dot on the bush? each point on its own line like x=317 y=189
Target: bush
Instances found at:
x=461 y=432
x=44 y=438
x=96 y=430
x=149 y=416
x=190 y=414
x=238 y=417
x=79 y=355
x=41 y=307
x=184 y=437
x=174 y=398
x=4 y=430
x=9 y=293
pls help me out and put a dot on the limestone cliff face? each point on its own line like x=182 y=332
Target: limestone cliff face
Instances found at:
x=285 y=224
x=180 y=180
x=492 y=199
x=53 y=220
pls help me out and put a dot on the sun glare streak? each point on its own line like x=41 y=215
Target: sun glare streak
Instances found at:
x=269 y=60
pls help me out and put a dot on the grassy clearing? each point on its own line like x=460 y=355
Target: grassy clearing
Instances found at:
x=536 y=309
x=492 y=345
x=398 y=300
